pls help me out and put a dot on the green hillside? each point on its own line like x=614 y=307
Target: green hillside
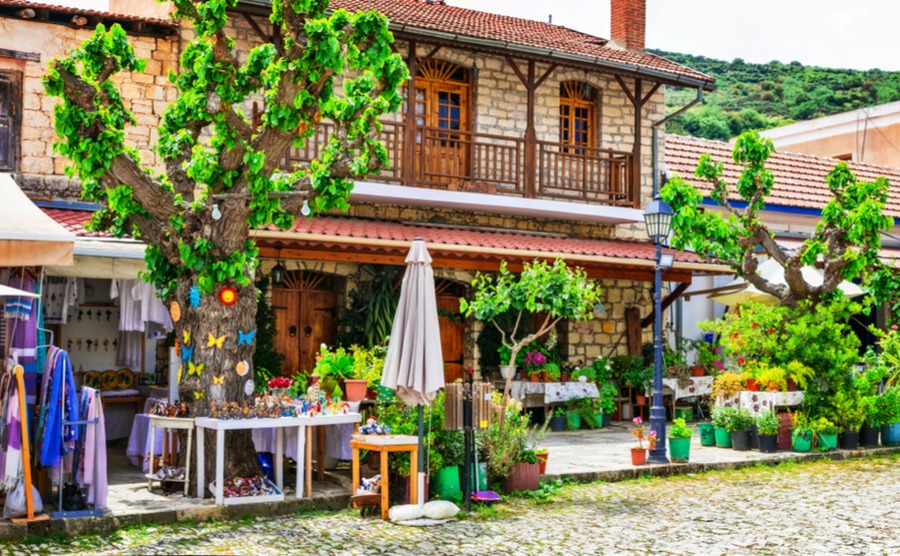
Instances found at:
x=761 y=96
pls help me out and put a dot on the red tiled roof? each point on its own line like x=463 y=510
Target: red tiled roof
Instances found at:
x=447 y=237
x=82 y=11
x=799 y=178
x=73 y=220
x=337 y=228
x=523 y=32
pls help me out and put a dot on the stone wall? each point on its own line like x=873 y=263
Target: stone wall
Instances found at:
x=146 y=94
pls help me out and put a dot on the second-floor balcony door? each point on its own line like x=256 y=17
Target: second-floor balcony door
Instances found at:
x=443 y=133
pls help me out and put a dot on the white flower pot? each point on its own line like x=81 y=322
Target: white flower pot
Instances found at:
x=506 y=371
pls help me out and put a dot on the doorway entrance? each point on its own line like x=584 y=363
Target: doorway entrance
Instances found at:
x=453 y=327
x=305 y=309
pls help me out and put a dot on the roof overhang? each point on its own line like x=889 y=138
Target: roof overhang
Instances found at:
x=28 y=237
x=379 y=193
x=104 y=258
x=449 y=250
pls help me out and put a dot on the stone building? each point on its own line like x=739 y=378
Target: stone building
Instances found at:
x=526 y=140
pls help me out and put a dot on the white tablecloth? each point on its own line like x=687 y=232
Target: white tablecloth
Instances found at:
x=337 y=439
x=139 y=441
x=698 y=386
x=757 y=402
x=554 y=392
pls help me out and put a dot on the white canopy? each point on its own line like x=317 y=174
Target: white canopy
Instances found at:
x=28 y=237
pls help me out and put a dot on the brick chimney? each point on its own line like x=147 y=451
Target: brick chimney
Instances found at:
x=628 y=21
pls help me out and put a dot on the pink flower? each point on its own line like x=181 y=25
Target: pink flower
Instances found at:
x=895 y=327
x=652 y=434
x=637 y=420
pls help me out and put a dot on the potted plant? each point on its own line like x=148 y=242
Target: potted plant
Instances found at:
x=825 y=433
x=587 y=409
x=511 y=448
x=871 y=429
x=639 y=378
x=739 y=426
x=767 y=424
x=507 y=371
x=721 y=417
x=727 y=385
x=447 y=454
x=542 y=456
x=802 y=432
x=705 y=358
x=680 y=441
x=707 y=434
x=798 y=376
x=573 y=414
x=558 y=420
x=888 y=405
x=551 y=372
x=771 y=379
x=607 y=401
x=848 y=414
x=584 y=374
x=334 y=368
x=639 y=454
x=534 y=364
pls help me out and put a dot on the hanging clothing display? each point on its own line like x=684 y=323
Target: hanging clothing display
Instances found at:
x=20 y=308
x=92 y=469
x=23 y=332
x=60 y=297
x=57 y=441
x=138 y=305
x=12 y=441
x=128 y=351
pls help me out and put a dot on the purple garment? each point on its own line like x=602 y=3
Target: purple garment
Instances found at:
x=24 y=340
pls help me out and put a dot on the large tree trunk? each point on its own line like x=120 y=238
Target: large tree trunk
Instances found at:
x=211 y=354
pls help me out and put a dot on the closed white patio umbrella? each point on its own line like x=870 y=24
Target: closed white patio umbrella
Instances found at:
x=414 y=364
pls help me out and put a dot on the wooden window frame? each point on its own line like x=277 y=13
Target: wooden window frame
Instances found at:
x=588 y=102
x=14 y=154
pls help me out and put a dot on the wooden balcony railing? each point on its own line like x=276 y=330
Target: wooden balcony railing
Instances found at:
x=473 y=161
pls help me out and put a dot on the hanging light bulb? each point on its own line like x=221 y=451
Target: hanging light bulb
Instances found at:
x=216 y=213
x=305 y=209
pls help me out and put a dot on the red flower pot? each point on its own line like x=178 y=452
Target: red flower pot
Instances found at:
x=524 y=476
x=698 y=371
x=638 y=456
x=752 y=386
x=534 y=378
x=355 y=389
x=792 y=386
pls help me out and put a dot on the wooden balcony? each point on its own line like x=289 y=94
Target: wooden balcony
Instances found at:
x=496 y=164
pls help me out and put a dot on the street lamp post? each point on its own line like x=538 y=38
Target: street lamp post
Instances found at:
x=658 y=217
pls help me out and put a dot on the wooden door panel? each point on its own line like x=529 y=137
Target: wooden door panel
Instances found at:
x=453 y=337
x=317 y=326
x=286 y=305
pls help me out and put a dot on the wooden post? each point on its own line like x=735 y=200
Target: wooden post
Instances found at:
x=409 y=133
x=636 y=148
x=633 y=330
x=530 y=159
x=26 y=451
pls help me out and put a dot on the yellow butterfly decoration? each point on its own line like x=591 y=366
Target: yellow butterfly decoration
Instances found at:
x=217 y=342
x=187 y=336
x=180 y=367
x=195 y=370
x=198 y=395
x=219 y=379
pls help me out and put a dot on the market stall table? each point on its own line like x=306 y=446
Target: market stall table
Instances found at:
x=170 y=423
x=384 y=445
x=552 y=392
x=757 y=402
x=280 y=423
x=696 y=386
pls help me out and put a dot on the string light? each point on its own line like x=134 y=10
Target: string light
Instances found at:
x=305 y=211
x=216 y=213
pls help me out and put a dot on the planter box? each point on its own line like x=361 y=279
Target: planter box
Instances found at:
x=849 y=440
x=680 y=450
x=869 y=436
x=524 y=476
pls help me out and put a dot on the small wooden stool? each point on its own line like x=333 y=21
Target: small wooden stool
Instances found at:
x=384 y=445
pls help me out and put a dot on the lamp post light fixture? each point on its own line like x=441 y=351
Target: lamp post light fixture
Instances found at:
x=658 y=218
x=278 y=272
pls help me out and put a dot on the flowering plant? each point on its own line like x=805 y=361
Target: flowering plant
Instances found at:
x=280 y=382
x=534 y=360
x=642 y=435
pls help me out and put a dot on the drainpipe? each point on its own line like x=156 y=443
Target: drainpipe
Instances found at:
x=656 y=127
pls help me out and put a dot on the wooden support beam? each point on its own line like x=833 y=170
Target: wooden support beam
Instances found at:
x=256 y=28
x=633 y=330
x=675 y=294
x=409 y=132
x=624 y=88
x=650 y=94
x=636 y=148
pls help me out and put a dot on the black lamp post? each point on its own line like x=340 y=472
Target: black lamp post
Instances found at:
x=658 y=217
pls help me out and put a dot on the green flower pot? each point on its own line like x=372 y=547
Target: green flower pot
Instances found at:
x=680 y=449
x=828 y=441
x=801 y=441
x=446 y=484
x=723 y=438
x=573 y=420
x=599 y=418
x=707 y=434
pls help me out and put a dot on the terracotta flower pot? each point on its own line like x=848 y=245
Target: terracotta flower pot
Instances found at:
x=698 y=371
x=524 y=476
x=638 y=456
x=752 y=386
x=534 y=378
x=542 y=461
x=355 y=389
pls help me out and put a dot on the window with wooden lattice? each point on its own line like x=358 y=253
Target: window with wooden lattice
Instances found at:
x=577 y=115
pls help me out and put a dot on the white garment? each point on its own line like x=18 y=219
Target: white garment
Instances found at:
x=138 y=305
x=60 y=297
x=128 y=352
x=152 y=308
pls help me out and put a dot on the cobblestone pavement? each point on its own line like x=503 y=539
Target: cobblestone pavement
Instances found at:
x=845 y=507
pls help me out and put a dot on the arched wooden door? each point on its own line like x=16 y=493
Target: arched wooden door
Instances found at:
x=453 y=328
x=304 y=318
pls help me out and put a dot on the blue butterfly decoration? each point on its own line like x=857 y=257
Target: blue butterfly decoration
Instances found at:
x=195 y=297
x=246 y=337
x=186 y=352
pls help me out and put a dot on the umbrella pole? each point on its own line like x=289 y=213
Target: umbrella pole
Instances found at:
x=467 y=433
x=421 y=464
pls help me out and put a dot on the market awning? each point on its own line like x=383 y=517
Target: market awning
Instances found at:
x=358 y=240
x=28 y=237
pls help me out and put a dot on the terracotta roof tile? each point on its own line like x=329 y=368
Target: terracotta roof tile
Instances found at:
x=447 y=237
x=82 y=11
x=73 y=220
x=799 y=178
x=523 y=32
